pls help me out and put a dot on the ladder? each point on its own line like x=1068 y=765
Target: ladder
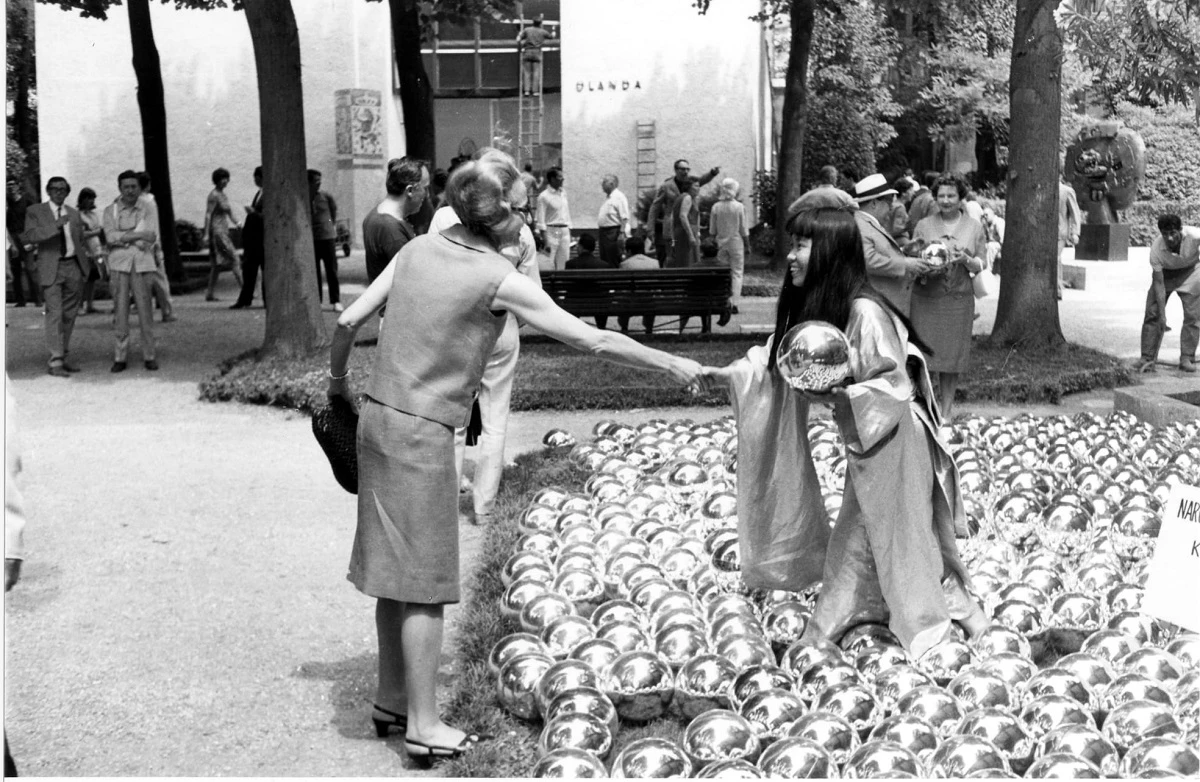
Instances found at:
x=647 y=156
x=530 y=121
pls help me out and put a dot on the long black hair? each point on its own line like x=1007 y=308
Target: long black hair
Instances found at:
x=836 y=276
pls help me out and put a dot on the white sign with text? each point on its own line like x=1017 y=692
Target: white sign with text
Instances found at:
x=1173 y=582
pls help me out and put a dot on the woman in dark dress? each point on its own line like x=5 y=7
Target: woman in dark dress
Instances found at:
x=448 y=296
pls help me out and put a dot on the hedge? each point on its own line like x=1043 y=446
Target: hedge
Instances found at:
x=551 y=376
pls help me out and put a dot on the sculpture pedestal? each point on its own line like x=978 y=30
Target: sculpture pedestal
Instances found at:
x=1103 y=243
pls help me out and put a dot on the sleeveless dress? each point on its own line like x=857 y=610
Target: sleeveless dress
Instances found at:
x=433 y=348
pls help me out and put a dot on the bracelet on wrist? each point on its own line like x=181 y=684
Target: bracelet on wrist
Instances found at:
x=342 y=376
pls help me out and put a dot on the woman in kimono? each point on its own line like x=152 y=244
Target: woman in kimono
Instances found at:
x=891 y=556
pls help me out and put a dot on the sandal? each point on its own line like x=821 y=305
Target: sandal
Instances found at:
x=426 y=753
x=386 y=719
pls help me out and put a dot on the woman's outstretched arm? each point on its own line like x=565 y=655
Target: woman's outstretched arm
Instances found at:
x=519 y=295
x=348 y=324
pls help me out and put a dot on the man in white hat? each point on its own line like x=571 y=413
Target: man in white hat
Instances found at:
x=888 y=268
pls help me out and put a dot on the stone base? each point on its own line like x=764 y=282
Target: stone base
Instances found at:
x=1163 y=404
x=1103 y=243
x=1074 y=276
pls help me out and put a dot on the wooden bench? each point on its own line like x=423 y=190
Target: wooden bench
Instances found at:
x=591 y=292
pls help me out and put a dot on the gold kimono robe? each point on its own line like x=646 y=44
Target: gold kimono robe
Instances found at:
x=892 y=556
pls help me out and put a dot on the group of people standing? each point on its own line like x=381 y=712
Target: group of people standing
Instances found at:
x=453 y=294
x=73 y=248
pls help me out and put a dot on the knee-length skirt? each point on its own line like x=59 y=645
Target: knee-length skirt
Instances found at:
x=944 y=323
x=406 y=543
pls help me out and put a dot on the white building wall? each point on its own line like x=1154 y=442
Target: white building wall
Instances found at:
x=91 y=128
x=699 y=80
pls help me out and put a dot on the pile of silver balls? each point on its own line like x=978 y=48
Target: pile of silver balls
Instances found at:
x=632 y=609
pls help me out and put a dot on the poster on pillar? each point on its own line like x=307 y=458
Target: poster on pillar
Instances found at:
x=359 y=123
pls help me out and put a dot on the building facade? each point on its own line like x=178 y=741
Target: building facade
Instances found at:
x=628 y=87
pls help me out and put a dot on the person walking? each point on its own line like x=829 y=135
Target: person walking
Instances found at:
x=727 y=222
x=218 y=219
x=253 y=248
x=450 y=295
x=1175 y=268
x=891 y=556
x=160 y=286
x=56 y=231
x=131 y=227
x=324 y=227
x=93 y=233
x=943 y=301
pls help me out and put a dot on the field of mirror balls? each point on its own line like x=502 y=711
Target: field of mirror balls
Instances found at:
x=632 y=608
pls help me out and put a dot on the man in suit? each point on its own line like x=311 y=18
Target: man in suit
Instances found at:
x=56 y=230
x=890 y=271
x=660 y=218
x=253 y=251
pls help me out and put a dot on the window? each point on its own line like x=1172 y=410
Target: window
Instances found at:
x=481 y=59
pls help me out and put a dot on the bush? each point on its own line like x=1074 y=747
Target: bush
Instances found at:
x=762 y=242
x=765 y=197
x=1142 y=218
x=1172 y=150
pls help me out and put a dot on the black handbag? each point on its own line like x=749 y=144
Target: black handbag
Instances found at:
x=336 y=428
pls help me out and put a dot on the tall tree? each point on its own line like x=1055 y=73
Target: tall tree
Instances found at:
x=151 y=105
x=416 y=92
x=1027 y=312
x=21 y=92
x=294 y=323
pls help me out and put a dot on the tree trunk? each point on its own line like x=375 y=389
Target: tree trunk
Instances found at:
x=294 y=323
x=1027 y=312
x=153 y=107
x=23 y=81
x=795 y=118
x=416 y=93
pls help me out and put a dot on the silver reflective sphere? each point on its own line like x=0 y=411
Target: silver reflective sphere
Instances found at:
x=894 y=683
x=936 y=254
x=543 y=609
x=1047 y=712
x=959 y=756
x=566 y=633
x=797 y=758
x=569 y=763
x=679 y=643
x=856 y=703
x=1161 y=754
x=832 y=732
x=1003 y=729
x=772 y=712
x=583 y=700
x=558 y=438
x=517 y=684
x=562 y=676
x=874 y=659
x=1061 y=765
x=978 y=689
x=1134 y=721
x=704 y=683
x=640 y=685
x=511 y=646
x=598 y=653
x=576 y=731
x=945 y=660
x=913 y=733
x=877 y=758
x=1157 y=664
x=730 y=769
x=759 y=678
x=814 y=356
x=720 y=734
x=746 y=650
x=1186 y=649
x=1081 y=741
x=934 y=705
x=651 y=758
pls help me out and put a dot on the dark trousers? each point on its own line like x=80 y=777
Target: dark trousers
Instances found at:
x=252 y=261
x=647 y=323
x=610 y=245
x=326 y=250
x=22 y=274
